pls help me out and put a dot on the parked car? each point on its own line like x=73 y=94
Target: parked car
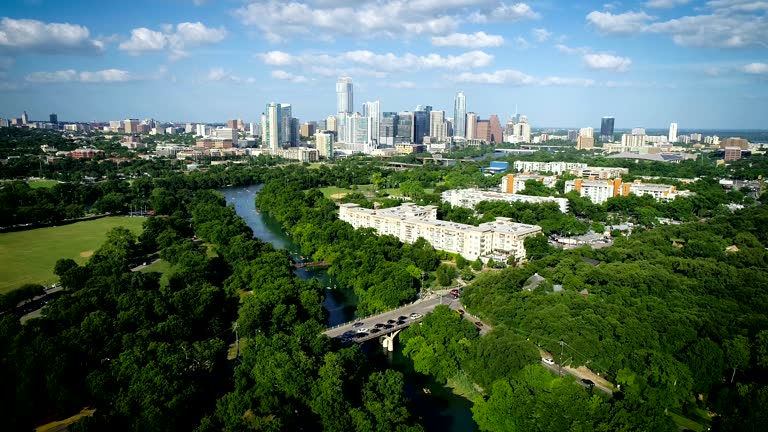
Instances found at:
x=362 y=330
x=415 y=316
x=548 y=360
x=478 y=324
x=587 y=382
x=358 y=324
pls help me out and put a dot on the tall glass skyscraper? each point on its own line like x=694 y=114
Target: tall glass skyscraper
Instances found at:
x=460 y=115
x=344 y=98
x=606 y=129
x=420 y=126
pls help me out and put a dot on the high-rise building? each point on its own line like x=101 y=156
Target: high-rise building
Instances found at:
x=273 y=127
x=606 y=129
x=638 y=131
x=523 y=130
x=232 y=124
x=573 y=135
x=740 y=143
x=294 y=138
x=404 y=128
x=482 y=130
x=307 y=130
x=587 y=132
x=344 y=97
x=497 y=135
x=509 y=130
x=131 y=126
x=372 y=110
x=286 y=114
x=54 y=119
x=420 y=126
x=460 y=115
x=388 y=128
x=331 y=124
x=324 y=144
x=24 y=118
x=437 y=126
x=471 y=126
x=673 y=132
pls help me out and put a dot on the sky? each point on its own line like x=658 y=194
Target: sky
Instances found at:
x=702 y=64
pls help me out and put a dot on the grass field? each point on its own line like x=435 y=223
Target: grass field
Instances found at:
x=29 y=256
x=42 y=183
x=160 y=266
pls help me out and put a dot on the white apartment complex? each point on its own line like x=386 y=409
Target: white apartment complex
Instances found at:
x=599 y=191
x=498 y=240
x=600 y=172
x=469 y=198
x=514 y=183
x=553 y=167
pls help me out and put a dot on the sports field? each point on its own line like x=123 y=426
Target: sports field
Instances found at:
x=29 y=256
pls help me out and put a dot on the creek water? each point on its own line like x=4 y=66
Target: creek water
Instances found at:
x=441 y=410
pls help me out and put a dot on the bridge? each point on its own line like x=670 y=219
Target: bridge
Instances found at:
x=393 y=321
x=311 y=264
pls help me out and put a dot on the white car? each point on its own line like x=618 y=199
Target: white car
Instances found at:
x=548 y=361
x=415 y=316
x=362 y=330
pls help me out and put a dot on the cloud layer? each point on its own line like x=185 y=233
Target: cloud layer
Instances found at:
x=175 y=40
x=32 y=36
x=71 y=75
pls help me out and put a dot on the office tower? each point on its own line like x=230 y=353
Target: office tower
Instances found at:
x=606 y=129
x=460 y=115
x=294 y=138
x=373 y=111
x=357 y=127
x=572 y=135
x=240 y=125
x=509 y=129
x=200 y=130
x=482 y=129
x=286 y=113
x=388 y=128
x=24 y=118
x=324 y=143
x=344 y=98
x=673 y=132
x=420 y=126
x=523 y=130
x=587 y=132
x=638 y=131
x=307 y=130
x=471 y=125
x=54 y=119
x=131 y=126
x=273 y=127
x=232 y=124
x=496 y=134
x=341 y=126
x=740 y=143
x=331 y=124
x=404 y=128
x=437 y=126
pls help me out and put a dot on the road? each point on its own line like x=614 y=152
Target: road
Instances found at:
x=579 y=376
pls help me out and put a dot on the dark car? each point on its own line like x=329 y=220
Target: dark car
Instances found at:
x=349 y=333
x=375 y=330
x=388 y=326
x=360 y=335
x=478 y=323
x=587 y=382
x=400 y=322
x=402 y=318
x=379 y=325
x=391 y=321
x=358 y=324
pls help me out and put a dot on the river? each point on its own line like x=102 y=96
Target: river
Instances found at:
x=441 y=409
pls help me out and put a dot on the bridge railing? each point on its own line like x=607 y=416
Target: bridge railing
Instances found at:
x=372 y=315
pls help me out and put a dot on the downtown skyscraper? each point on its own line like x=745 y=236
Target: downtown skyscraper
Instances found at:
x=272 y=123
x=344 y=97
x=606 y=129
x=460 y=115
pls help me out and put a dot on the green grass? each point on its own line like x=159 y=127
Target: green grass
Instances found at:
x=42 y=183
x=29 y=256
x=159 y=266
x=687 y=423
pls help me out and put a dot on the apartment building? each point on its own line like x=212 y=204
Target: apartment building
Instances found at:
x=469 y=198
x=553 y=167
x=498 y=240
x=600 y=172
x=514 y=183
x=599 y=191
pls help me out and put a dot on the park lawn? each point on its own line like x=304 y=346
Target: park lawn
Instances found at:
x=42 y=183
x=333 y=191
x=159 y=266
x=29 y=256
x=687 y=423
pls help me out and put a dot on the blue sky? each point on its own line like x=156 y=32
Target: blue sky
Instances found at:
x=703 y=64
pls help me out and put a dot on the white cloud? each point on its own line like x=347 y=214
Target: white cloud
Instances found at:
x=403 y=84
x=381 y=62
x=287 y=76
x=521 y=43
x=627 y=23
x=605 y=61
x=541 y=35
x=747 y=6
x=756 y=68
x=218 y=74
x=665 y=4
x=397 y=19
x=477 y=40
x=175 y=40
x=516 y=78
x=25 y=35
x=569 y=50
x=71 y=75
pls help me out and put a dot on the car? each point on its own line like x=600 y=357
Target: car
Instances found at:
x=375 y=330
x=388 y=326
x=391 y=321
x=478 y=323
x=358 y=324
x=548 y=360
x=415 y=316
x=402 y=318
x=587 y=382
x=379 y=325
x=362 y=330
x=360 y=335
x=400 y=322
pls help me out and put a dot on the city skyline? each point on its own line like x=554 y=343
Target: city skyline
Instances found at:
x=699 y=64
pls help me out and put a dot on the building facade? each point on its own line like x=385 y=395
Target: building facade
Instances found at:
x=469 y=198
x=460 y=115
x=606 y=129
x=344 y=96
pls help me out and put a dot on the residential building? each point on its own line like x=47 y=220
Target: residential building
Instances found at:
x=599 y=172
x=633 y=140
x=273 y=130
x=232 y=124
x=673 y=132
x=408 y=222
x=301 y=154
x=573 y=135
x=515 y=183
x=606 y=129
x=587 y=132
x=84 y=153
x=731 y=153
x=373 y=111
x=131 y=126
x=460 y=115
x=307 y=130
x=553 y=167
x=471 y=125
x=286 y=116
x=469 y=198
x=734 y=142
x=483 y=130
x=585 y=143
x=599 y=191
x=437 y=125
x=497 y=135
x=324 y=144
x=344 y=97
x=331 y=124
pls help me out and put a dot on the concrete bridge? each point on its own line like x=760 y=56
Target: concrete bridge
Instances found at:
x=386 y=325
